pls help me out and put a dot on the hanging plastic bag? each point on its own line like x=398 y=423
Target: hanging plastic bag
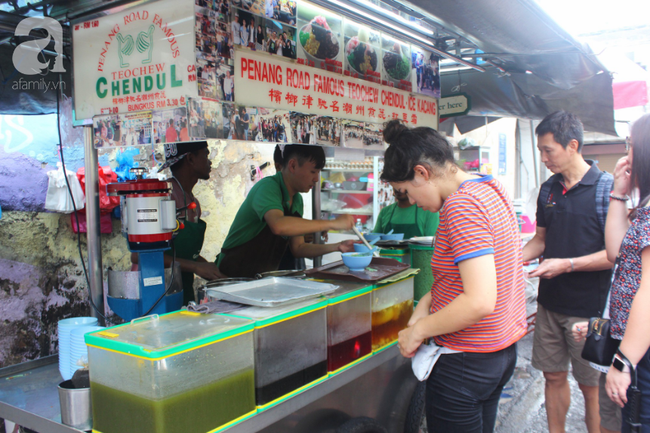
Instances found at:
x=106 y=176
x=105 y=223
x=125 y=162
x=58 y=197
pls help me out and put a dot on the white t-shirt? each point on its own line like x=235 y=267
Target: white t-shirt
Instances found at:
x=235 y=33
x=227 y=85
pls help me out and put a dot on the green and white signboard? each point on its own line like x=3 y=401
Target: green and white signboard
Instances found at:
x=457 y=105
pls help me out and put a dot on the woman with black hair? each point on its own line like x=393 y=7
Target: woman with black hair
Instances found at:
x=476 y=310
x=627 y=239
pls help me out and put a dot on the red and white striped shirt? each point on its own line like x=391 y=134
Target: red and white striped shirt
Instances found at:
x=476 y=220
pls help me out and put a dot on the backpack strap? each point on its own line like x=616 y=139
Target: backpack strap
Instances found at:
x=545 y=190
x=604 y=186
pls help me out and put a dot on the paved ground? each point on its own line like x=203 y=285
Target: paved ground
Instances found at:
x=525 y=411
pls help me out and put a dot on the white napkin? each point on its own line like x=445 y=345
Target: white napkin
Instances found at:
x=426 y=357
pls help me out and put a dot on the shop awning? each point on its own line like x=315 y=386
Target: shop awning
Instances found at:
x=532 y=65
x=537 y=68
x=526 y=96
x=630 y=84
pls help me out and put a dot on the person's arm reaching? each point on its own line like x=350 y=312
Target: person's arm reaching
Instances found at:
x=421 y=310
x=201 y=267
x=551 y=268
x=478 y=300
x=617 y=215
x=300 y=249
x=282 y=225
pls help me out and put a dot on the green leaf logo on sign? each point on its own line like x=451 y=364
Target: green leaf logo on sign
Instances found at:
x=143 y=42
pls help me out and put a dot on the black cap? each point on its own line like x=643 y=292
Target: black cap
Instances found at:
x=174 y=152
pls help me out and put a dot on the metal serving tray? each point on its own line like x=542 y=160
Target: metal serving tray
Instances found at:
x=271 y=292
x=378 y=269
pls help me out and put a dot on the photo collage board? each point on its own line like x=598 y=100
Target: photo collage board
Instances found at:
x=122 y=130
x=308 y=35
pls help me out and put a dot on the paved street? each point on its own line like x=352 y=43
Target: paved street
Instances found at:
x=525 y=412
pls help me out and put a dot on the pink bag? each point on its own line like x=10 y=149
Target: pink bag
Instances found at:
x=105 y=223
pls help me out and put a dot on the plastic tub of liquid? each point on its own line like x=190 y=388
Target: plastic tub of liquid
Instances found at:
x=290 y=348
x=181 y=372
x=392 y=307
x=349 y=329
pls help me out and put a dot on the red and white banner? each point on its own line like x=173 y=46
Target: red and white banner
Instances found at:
x=264 y=81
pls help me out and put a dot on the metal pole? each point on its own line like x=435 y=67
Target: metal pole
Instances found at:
x=517 y=160
x=375 y=190
x=316 y=215
x=532 y=143
x=92 y=220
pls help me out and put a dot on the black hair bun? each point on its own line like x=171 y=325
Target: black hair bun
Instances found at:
x=393 y=129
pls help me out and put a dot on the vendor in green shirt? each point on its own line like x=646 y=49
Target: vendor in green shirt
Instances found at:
x=270 y=219
x=407 y=218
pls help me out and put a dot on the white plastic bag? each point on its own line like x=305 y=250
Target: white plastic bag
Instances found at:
x=58 y=198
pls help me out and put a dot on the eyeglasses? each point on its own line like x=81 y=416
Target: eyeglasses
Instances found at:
x=628 y=144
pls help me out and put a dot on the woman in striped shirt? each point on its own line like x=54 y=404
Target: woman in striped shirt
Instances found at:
x=476 y=310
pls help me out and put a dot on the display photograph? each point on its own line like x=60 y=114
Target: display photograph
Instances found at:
x=362 y=52
x=320 y=38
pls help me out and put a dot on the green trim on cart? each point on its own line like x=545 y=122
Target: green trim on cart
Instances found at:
x=350 y=295
x=262 y=323
x=396 y=253
x=350 y=365
x=291 y=394
x=381 y=349
x=93 y=339
x=223 y=426
x=422 y=247
x=234 y=422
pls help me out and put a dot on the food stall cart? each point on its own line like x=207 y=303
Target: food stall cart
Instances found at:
x=378 y=390
x=146 y=72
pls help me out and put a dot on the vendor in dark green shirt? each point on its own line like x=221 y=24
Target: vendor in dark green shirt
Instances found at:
x=270 y=219
x=407 y=218
x=188 y=162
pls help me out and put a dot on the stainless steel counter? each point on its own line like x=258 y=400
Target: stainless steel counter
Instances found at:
x=29 y=395
x=279 y=414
